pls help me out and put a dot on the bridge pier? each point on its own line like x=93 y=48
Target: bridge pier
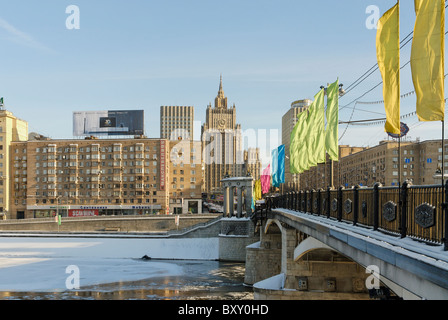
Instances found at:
x=264 y=258
x=288 y=264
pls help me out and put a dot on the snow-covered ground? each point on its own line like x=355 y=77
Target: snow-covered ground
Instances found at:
x=44 y=264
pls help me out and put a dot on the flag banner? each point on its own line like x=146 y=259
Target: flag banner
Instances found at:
x=427 y=59
x=388 y=56
x=303 y=157
x=297 y=150
x=257 y=190
x=332 y=130
x=319 y=126
x=266 y=179
x=274 y=171
x=278 y=166
x=252 y=205
x=315 y=139
x=281 y=164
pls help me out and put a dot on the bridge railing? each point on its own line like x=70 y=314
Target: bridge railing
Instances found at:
x=419 y=212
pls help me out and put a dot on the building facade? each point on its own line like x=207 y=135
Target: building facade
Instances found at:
x=185 y=177
x=176 y=122
x=252 y=163
x=328 y=173
x=11 y=129
x=222 y=144
x=289 y=120
x=386 y=163
x=84 y=177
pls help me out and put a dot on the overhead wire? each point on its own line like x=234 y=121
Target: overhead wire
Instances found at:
x=367 y=74
x=370 y=90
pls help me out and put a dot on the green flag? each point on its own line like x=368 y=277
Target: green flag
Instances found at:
x=1 y=101
x=332 y=132
x=297 y=146
x=315 y=138
x=319 y=127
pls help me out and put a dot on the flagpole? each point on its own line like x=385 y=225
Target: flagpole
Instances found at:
x=331 y=174
x=444 y=198
x=399 y=159
x=443 y=160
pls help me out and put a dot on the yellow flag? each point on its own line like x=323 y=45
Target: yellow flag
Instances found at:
x=388 y=56
x=427 y=59
x=257 y=190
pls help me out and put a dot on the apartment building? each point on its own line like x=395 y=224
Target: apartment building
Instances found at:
x=185 y=177
x=11 y=129
x=91 y=176
x=328 y=173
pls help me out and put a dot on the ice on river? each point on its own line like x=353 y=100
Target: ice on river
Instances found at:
x=43 y=264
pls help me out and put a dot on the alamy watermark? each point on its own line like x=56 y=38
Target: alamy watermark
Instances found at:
x=73 y=280
x=73 y=21
x=373 y=281
x=225 y=146
x=374 y=15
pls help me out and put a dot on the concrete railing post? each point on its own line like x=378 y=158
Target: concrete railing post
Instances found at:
x=376 y=205
x=340 y=203
x=404 y=205
x=355 y=204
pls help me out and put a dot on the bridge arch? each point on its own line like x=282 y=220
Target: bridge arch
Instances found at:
x=399 y=270
x=270 y=223
x=307 y=245
x=302 y=248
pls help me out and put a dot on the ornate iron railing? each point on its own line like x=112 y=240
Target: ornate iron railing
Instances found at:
x=419 y=212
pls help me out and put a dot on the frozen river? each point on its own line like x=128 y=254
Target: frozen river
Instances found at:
x=112 y=268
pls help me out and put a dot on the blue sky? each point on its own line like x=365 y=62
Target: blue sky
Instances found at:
x=142 y=54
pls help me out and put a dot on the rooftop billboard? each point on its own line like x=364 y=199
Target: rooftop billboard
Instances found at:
x=108 y=123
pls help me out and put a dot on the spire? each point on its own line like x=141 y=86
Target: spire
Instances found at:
x=221 y=91
x=221 y=100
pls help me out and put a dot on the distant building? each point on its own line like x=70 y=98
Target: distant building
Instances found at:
x=252 y=163
x=328 y=173
x=222 y=144
x=176 y=122
x=185 y=177
x=416 y=162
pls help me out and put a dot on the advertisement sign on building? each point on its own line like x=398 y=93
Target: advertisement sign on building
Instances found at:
x=162 y=164
x=109 y=123
x=82 y=213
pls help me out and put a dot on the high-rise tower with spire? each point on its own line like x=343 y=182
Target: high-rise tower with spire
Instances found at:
x=221 y=99
x=222 y=144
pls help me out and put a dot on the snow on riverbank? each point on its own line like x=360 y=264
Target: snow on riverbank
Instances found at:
x=40 y=264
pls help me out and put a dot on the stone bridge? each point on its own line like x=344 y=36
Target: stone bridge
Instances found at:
x=307 y=256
